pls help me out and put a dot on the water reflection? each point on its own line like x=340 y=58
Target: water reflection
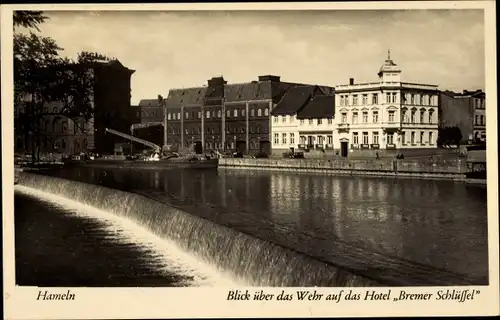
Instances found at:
x=438 y=223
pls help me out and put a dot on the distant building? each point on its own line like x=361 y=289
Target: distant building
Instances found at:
x=111 y=104
x=466 y=110
x=303 y=120
x=224 y=117
x=387 y=114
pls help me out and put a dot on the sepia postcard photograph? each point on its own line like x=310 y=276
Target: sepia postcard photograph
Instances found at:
x=258 y=159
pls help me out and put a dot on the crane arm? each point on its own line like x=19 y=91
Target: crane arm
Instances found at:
x=135 y=139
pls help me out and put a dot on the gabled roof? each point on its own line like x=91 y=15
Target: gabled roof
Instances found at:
x=318 y=107
x=293 y=100
x=188 y=96
x=149 y=103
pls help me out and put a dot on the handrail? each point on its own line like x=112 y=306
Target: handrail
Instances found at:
x=135 y=139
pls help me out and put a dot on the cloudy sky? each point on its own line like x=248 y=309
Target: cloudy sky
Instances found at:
x=184 y=49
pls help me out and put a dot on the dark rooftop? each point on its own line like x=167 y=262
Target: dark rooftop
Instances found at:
x=319 y=107
x=293 y=100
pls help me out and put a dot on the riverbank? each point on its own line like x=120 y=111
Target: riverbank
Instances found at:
x=422 y=169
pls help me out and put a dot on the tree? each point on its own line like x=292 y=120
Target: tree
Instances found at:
x=449 y=135
x=42 y=76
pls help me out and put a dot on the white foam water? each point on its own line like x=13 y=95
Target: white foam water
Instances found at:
x=118 y=228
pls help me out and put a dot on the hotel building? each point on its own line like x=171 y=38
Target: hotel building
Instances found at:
x=388 y=114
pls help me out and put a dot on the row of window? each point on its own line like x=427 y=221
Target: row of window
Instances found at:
x=216 y=130
x=289 y=138
x=422 y=119
x=390 y=138
x=253 y=145
x=291 y=119
x=235 y=113
x=390 y=97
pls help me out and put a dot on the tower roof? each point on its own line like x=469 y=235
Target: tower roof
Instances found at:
x=389 y=65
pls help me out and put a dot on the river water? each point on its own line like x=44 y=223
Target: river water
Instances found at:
x=405 y=232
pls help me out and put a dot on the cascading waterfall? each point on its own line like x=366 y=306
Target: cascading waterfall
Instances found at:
x=247 y=258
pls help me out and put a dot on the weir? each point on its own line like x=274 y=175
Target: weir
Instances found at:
x=249 y=259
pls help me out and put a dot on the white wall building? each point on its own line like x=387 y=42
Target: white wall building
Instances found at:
x=388 y=114
x=304 y=120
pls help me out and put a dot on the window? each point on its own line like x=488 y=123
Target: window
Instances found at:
x=375 y=116
x=365 y=137
x=187 y=115
x=275 y=119
x=292 y=138
x=343 y=118
x=355 y=100
x=430 y=138
x=417 y=99
x=199 y=114
x=422 y=137
x=276 y=138
x=355 y=118
x=242 y=113
x=476 y=121
x=365 y=99
x=387 y=97
x=178 y=116
x=228 y=113
x=169 y=116
x=375 y=138
x=266 y=111
x=390 y=138
x=219 y=114
x=259 y=113
x=365 y=117
x=355 y=138
x=412 y=139
x=413 y=116
x=252 y=112
x=329 y=140
x=391 y=116
x=208 y=114
x=482 y=120
x=319 y=121
x=235 y=113
x=375 y=98
x=301 y=122
x=422 y=114
x=283 y=138
x=330 y=121
x=403 y=137
x=431 y=113
x=412 y=99
x=283 y=119
x=425 y=99
x=394 y=95
x=310 y=122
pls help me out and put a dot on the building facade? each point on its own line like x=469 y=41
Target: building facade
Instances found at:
x=465 y=110
x=304 y=120
x=224 y=117
x=111 y=104
x=387 y=114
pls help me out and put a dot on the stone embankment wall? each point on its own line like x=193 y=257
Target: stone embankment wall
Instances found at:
x=444 y=169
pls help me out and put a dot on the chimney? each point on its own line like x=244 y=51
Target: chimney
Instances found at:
x=351 y=81
x=216 y=81
x=269 y=78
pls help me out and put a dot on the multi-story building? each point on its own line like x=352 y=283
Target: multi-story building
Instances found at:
x=465 y=110
x=387 y=114
x=303 y=119
x=224 y=117
x=110 y=102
